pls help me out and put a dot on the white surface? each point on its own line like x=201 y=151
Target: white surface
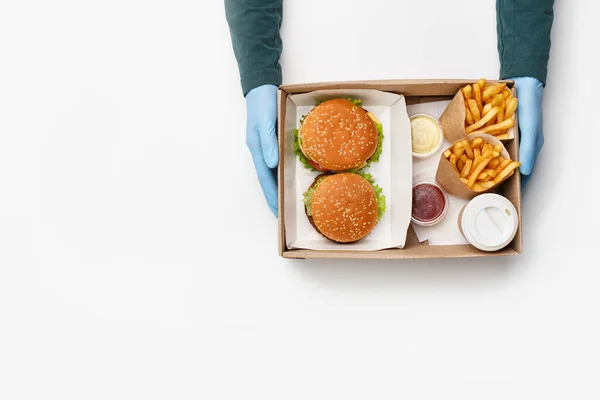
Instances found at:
x=120 y=275
x=396 y=180
x=446 y=231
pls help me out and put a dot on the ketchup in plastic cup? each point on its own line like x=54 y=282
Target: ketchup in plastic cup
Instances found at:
x=429 y=205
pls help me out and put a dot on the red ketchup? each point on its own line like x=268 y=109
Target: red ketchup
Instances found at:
x=429 y=204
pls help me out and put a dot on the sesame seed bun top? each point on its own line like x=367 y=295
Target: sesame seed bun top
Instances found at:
x=338 y=135
x=344 y=207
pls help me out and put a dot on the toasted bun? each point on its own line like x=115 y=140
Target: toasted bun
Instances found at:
x=344 y=207
x=338 y=135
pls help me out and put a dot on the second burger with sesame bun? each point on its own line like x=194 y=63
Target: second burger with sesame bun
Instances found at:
x=338 y=135
x=344 y=207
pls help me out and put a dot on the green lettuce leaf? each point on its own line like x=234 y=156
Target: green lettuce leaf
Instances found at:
x=307 y=197
x=299 y=153
x=378 y=193
x=377 y=154
x=357 y=102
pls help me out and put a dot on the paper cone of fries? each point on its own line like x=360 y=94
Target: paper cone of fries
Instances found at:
x=490 y=109
x=474 y=165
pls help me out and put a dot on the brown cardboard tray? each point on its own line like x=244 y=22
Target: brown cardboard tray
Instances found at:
x=415 y=91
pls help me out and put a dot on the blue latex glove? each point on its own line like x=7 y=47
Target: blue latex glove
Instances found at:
x=261 y=139
x=530 y=92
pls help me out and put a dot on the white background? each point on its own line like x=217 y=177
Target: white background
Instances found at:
x=138 y=258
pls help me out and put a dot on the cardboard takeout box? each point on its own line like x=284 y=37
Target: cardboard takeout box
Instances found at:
x=414 y=91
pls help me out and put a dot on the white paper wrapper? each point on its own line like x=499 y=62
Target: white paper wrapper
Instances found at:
x=393 y=172
x=446 y=231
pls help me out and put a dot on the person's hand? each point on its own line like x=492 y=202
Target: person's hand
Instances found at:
x=530 y=93
x=261 y=139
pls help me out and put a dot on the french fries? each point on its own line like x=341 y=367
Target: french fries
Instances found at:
x=479 y=164
x=475 y=112
x=477 y=95
x=507 y=170
x=492 y=103
x=468 y=149
x=486 y=118
x=467 y=92
x=466 y=168
x=501 y=127
x=469 y=116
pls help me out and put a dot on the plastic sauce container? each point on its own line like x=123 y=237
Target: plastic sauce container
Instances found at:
x=489 y=222
x=429 y=203
x=426 y=134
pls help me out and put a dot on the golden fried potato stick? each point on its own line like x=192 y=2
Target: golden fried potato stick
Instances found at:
x=468 y=149
x=511 y=106
x=486 y=178
x=500 y=115
x=468 y=116
x=509 y=168
x=483 y=121
x=502 y=165
x=477 y=95
x=498 y=100
x=494 y=163
x=474 y=110
x=486 y=109
x=483 y=176
x=485 y=150
x=492 y=90
x=466 y=169
x=508 y=123
x=475 y=173
x=467 y=92
x=490 y=172
x=477 y=142
x=453 y=161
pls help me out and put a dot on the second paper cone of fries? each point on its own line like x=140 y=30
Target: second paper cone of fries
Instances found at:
x=481 y=108
x=474 y=165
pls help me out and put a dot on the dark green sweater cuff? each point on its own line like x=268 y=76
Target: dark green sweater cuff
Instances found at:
x=268 y=77
x=524 y=69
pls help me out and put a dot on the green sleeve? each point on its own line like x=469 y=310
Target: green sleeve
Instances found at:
x=524 y=37
x=254 y=26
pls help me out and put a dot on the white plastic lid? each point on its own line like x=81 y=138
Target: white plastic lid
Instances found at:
x=490 y=222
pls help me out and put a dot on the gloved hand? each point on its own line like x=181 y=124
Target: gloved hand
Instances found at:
x=531 y=127
x=261 y=138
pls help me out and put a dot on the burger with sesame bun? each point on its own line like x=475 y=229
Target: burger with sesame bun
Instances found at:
x=344 y=207
x=338 y=135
